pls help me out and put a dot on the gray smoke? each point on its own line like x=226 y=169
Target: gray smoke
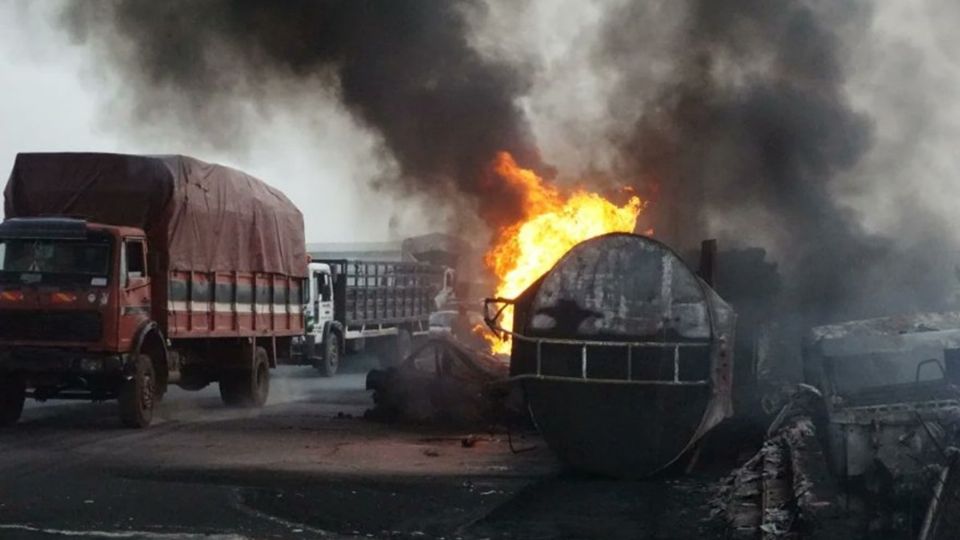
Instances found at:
x=750 y=136
x=404 y=68
x=735 y=118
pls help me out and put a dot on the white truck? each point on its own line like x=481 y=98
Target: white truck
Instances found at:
x=352 y=304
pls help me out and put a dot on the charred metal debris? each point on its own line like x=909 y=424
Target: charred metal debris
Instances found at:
x=443 y=381
x=870 y=450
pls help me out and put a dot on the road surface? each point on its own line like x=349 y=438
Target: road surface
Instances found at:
x=306 y=466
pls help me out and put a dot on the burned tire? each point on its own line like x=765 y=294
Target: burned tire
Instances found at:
x=138 y=394
x=329 y=362
x=247 y=387
x=12 y=394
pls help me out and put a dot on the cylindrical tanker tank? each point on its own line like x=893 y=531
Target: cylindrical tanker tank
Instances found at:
x=624 y=355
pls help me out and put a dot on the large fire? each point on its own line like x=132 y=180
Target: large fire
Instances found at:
x=553 y=223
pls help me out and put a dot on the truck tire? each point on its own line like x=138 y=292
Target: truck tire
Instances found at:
x=138 y=394
x=12 y=394
x=247 y=387
x=328 y=363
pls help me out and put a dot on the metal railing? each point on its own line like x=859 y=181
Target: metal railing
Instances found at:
x=586 y=346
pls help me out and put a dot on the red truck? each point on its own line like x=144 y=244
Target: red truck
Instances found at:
x=123 y=274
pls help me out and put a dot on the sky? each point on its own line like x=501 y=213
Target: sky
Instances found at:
x=50 y=100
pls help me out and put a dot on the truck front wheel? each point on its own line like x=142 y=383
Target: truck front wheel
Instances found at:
x=247 y=387
x=138 y=394
x=330 y=361
x=12 y=393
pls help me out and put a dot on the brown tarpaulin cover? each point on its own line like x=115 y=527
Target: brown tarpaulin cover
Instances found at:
x=202 y=217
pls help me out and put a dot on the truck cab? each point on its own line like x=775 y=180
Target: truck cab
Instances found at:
x=74 y=297
x=324 y=340
x=319 y=310
x=891 y=388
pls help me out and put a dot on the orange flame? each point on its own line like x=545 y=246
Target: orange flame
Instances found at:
x=554 y=223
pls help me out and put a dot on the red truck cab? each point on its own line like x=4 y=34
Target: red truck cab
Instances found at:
x=74 y=296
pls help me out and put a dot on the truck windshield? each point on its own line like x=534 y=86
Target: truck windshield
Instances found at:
x=863 y=372
x=55 y=260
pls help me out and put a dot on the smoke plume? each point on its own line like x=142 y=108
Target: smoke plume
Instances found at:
x=735 y=118
x=403 y=68
x=750 y=136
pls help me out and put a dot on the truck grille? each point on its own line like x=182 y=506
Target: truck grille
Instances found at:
x=50 y=325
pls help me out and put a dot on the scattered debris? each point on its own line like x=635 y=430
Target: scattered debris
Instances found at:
x=785 y=490
x=443 y=381
x=942 y=521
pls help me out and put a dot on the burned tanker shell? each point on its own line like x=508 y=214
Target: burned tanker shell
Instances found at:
x=624 y=354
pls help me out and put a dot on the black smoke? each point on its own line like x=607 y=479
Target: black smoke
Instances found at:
x=404 y=68
x=748 y=137
x=753 y=129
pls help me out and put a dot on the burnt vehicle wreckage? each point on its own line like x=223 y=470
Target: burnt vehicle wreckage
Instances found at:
x=616 y=334
x=624 y=356
x=867 y=448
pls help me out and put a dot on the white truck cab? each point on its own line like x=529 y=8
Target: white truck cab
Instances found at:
x=319 y=309
x=353 y=303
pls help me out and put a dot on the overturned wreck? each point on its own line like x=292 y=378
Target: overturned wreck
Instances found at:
x=623 y=354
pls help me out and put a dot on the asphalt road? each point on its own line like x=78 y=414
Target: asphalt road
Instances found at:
x=307 y=466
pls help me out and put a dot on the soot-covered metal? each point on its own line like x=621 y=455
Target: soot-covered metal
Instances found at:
x=624 y=354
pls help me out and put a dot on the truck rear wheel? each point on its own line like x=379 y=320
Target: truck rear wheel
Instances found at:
x=330 y=361
x=247 y=387
x=12 y=394
x=138 y=394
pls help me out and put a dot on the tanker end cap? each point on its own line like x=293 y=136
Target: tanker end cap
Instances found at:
x=619 y=331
